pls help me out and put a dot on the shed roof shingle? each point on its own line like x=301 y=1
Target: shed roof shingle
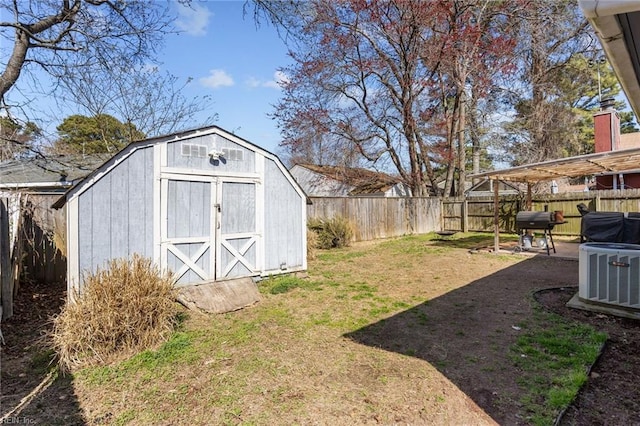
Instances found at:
x=55 y=169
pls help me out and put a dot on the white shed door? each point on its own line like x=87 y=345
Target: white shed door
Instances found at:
x=238 y=251
x=188 y=228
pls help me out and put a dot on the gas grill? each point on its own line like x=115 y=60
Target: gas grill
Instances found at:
x=544 y=221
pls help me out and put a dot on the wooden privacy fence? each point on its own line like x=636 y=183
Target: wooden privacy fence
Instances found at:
x=32 y=239
x=476 y=213
x=380 y=217
x=44 y=239
x=6 y=279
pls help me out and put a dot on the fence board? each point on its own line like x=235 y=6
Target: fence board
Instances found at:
x=380 y=217
x=44 y=239
x=6 y=280
x=480 y=209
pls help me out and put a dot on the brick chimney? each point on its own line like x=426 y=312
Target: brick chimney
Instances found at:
x=606 y=125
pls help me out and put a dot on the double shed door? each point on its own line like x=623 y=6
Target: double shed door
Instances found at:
x=208 y=228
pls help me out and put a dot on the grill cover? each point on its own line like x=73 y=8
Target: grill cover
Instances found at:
x=533 y=220
x=605 y=227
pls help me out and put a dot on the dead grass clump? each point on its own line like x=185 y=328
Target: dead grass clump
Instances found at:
x=336 y=232
x=312 y=244
x=122 y=310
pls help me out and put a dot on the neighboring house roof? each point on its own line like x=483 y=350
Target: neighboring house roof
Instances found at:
x=58 y=171
x=485 y=187
x=362 y=181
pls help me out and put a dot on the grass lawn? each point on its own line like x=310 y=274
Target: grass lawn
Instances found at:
x=413 y=330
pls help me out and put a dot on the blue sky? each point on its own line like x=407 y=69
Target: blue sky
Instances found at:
x=232 y=60
x=222 y=52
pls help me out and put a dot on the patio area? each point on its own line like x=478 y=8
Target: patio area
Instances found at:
x=566 y=248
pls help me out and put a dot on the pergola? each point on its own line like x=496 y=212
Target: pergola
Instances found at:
x=612 y=162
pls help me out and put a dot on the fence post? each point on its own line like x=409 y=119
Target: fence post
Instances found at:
x=465 y=215
x=6 y=278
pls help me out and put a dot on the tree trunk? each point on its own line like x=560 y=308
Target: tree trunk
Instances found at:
x=462 y=154
x=474 y=134
x=16 y=61
x=451 y=161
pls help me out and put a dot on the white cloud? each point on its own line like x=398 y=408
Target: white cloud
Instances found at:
x=193 y=19
x=217 y=78
x=253 y=82
x=278 y=78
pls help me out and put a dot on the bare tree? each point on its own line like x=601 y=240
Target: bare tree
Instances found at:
x=552 y=34
x=388 y=80
x=16 y=139
x=144 y=96
x=100 y=56
x=56 y=34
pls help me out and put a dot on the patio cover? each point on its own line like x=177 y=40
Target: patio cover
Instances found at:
x=583 y=165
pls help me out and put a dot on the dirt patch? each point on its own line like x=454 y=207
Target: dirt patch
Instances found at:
x=468 y=330
x=433 y=349
x=32 y=392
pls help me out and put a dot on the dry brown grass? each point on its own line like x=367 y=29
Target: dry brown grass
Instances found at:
x=123 y=309
x=312 y=244
x=336 y=232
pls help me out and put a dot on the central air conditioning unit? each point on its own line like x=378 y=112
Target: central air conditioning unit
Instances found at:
x=609 y=273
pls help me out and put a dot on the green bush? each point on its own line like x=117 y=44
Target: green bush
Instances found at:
x=332 y=233
x=123 y=309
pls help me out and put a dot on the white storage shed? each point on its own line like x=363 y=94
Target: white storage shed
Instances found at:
x=205 y=204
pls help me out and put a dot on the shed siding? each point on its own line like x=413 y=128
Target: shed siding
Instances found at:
x=175 y=157
x=398 y=190
x=116 y=213
x=284 y=231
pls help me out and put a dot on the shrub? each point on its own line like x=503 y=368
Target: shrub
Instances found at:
x=332 y=233
x=122 y=310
